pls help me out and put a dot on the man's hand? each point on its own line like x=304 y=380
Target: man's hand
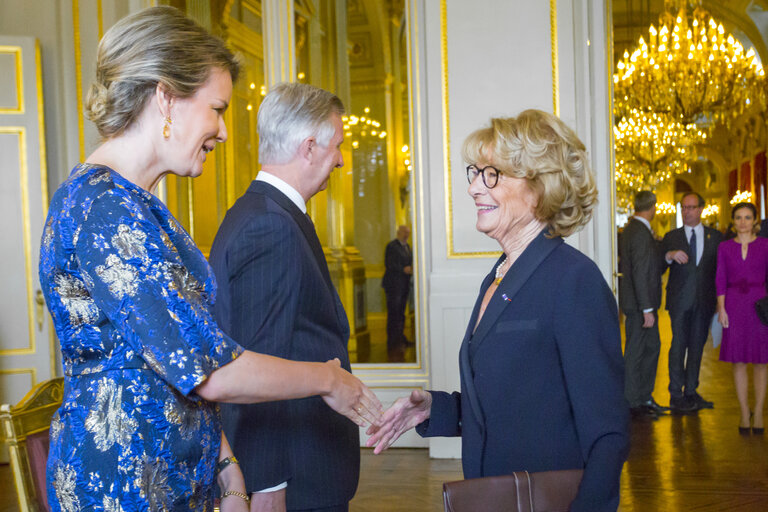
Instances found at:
x=648 y=320
x=351 y=398
x=408 y=270
x=405 y=413
x=680 y=257
x=268 y=501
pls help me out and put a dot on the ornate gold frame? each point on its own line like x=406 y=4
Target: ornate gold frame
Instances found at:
x=16 y=52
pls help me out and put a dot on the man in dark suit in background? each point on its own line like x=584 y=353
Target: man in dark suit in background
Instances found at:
x=276 y=297
x=639 y=299
x=763 y=228
x=398 y=263
x=690 y=252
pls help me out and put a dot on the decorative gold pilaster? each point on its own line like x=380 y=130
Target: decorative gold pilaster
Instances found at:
x=279 y=41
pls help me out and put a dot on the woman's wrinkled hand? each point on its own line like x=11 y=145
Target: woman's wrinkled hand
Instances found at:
x=351 y=398
x=405 y=413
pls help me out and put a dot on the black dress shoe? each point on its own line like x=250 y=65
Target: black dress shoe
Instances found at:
x=644 y=411
x=758 y=431
x=699 y=401
x=660 y=410
x=682 y=404
x=656 y=406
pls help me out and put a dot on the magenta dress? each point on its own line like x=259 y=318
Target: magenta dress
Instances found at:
x=742 y=281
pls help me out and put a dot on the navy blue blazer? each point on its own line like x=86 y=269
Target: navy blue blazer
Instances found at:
x=275 y=296
x=542 y=377
x=690 y=284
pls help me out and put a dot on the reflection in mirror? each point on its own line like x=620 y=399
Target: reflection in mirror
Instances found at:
x=365 y=203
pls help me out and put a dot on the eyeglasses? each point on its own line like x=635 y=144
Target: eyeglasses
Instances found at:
x=489 y=173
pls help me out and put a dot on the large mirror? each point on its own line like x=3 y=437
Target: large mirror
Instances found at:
x=359 y=50
x=374 y=192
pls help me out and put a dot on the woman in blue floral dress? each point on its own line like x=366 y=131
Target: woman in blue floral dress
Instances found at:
x=130 y=293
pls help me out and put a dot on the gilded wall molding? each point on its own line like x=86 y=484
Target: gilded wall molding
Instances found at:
x=21 y=133
x=555 y=69
x=78 y=79
x=15 y=51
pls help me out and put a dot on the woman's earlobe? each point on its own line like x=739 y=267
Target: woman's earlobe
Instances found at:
x=164 y=100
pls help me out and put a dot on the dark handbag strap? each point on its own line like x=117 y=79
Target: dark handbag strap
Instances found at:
x=519 y=492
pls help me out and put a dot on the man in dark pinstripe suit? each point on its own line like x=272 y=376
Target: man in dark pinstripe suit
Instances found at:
x=276 y=297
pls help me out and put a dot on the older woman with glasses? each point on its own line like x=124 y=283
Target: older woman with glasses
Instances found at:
x=541 y=364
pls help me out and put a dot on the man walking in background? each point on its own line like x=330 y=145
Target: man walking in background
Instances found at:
x=639 y=299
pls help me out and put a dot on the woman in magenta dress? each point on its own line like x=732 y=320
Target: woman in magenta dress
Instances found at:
x=742 y=265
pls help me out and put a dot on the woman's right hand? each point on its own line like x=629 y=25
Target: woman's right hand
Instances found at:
x=722 y=317
x=351 y=398
x=405 y=413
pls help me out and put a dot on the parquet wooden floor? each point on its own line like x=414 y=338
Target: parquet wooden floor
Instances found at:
x=676 y=464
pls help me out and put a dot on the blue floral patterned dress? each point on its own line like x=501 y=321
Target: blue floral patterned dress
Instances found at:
x=130 y=295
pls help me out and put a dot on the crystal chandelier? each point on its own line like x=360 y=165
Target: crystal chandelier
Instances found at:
x=671 y=92
x=690 y=69
x=650 y=149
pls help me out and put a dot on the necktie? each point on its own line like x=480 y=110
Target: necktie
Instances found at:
x=692 y=244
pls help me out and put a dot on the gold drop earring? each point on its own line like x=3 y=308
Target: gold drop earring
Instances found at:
x=167 y=127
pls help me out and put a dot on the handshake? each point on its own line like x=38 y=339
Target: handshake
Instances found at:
x=353 y=399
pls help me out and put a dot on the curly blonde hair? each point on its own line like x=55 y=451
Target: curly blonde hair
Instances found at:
x=155 y=45
x=540 y=148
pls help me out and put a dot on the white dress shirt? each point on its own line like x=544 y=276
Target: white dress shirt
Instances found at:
x=283 y=187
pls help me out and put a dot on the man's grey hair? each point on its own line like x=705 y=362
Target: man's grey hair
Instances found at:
x=644 y=201
x=289 y=114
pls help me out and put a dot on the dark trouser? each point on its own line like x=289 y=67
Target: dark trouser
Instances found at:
x=641 y=357
x=396 y=302
x=689 y=334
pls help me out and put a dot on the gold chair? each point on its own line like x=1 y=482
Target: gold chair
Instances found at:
x=24 y=427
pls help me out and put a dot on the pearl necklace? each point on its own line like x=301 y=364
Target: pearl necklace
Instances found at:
x=499 y=272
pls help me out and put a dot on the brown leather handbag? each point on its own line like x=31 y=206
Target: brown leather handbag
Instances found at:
x=544 y=491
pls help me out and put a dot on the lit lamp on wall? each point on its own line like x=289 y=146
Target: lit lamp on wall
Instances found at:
x=711 y=215
x=404 y=169
x=359 y=127
x=741 y=197
x=664 y=212
x=665 y=209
